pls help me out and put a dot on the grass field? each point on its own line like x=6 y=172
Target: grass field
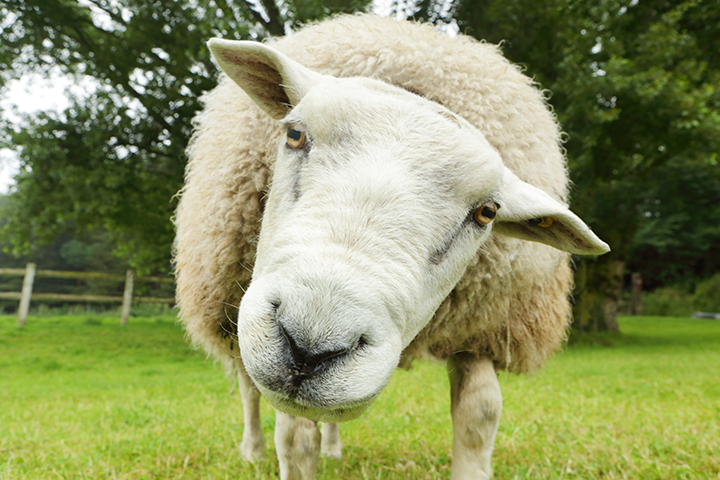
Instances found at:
x=82 y=397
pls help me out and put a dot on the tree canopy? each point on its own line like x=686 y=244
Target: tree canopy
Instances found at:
x=633 y=83
x=115 y=159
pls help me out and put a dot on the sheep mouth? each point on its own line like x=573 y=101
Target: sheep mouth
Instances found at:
x=324 y=394
x=299 y=405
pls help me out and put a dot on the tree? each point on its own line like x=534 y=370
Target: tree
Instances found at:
x=64 y=253
x=634 y=86
x=115 y=159
x=678 y=238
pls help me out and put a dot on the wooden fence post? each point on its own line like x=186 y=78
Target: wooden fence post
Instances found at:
x=26 y=293
x=31 y=272
x=636 y=296
x=127 y=296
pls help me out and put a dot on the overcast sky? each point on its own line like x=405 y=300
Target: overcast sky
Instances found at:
x=33 y=92
x=29 y=94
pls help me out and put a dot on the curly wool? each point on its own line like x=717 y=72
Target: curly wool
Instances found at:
x=511 y=305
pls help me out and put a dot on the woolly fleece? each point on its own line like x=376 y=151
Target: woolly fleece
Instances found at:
x=512 y=303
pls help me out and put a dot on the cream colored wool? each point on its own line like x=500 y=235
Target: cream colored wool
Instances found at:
x=510 y=306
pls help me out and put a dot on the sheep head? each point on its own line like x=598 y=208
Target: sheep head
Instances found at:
x=378 y=202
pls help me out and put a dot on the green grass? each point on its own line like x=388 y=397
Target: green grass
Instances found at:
x=82 y=397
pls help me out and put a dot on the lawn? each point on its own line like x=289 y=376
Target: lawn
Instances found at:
x=82 y=397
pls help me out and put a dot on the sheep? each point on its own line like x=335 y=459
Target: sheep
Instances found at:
x=370 y=192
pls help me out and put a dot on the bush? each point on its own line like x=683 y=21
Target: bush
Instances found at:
x=669 y=302
x=707 y=295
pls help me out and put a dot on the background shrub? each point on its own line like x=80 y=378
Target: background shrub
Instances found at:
x=707 y=295
x=668 y=302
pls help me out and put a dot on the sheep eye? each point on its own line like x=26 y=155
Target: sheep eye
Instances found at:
x=296 y=139
x=486 y=213
x=543 y=222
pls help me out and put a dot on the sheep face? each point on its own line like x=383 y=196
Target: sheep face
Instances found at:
x=379 y=200
x=368 y=226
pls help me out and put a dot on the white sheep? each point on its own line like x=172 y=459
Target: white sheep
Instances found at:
x=395 y=228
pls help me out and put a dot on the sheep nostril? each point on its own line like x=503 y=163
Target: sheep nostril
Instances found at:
x=319 y=361
x=305 y=362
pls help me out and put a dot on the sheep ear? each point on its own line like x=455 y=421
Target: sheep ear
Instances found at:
x=271 y=79
x=528 y=213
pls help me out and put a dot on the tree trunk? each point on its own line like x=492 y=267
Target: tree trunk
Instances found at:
x=636 y=298
x=598 y=284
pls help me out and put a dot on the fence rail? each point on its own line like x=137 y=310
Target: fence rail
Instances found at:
x=82 y=298
x=30 y=272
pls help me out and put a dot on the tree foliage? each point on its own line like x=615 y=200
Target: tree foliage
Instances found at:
x=677 y=240
x=634 y=85
x=91 y=253
x=115 y=159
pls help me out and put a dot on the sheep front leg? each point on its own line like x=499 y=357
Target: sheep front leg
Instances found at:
x=476 y=404
x=331 y=445
x=297 y=441
x=252 y=447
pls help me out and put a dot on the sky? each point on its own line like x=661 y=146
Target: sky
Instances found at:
x=29 y=94
x=32 y=93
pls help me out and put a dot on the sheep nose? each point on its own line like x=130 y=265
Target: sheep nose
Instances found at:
x=304 y=362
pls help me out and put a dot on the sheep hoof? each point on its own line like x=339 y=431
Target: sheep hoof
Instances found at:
x=252 y=451
x=331 y=453
x=330 y=445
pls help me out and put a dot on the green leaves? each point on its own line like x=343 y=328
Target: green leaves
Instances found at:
x=114 y=159
x=634 y=85
x=678 y=235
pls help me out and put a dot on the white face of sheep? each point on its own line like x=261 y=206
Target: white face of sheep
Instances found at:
x=378 y=202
